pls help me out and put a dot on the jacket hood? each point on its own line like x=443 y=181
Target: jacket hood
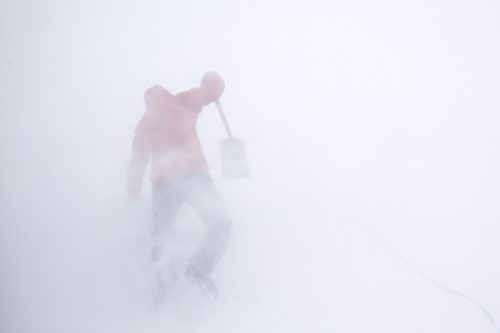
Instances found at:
x=156 y=95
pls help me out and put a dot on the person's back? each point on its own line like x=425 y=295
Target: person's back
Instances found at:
x=167 y=133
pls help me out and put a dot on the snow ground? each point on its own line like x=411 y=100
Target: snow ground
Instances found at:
x=369 y=128
x=285 y=271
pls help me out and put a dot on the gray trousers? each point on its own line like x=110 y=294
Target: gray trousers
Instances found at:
x=199 y=192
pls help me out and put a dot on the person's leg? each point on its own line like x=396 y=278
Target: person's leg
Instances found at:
x=167 y=199
x=207 y=203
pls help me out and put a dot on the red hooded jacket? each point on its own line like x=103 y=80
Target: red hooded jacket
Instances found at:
x=167 y=133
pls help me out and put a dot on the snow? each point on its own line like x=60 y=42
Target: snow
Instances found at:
x=371 y=131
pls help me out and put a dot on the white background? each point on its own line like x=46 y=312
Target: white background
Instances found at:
x=364 y=121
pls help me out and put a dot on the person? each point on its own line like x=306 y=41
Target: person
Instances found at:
x=167 y=135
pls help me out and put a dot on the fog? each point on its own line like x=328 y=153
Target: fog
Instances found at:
x=372 y=139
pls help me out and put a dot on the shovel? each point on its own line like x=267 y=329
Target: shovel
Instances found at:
x=233 y=152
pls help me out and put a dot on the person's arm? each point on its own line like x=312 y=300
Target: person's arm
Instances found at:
x=139 y=159
x=210 y=90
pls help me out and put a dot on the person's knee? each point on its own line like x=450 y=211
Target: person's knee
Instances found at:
x=222 y=224
x=227 y=223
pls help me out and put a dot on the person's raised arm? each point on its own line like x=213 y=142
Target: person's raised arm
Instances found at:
x=210 y=90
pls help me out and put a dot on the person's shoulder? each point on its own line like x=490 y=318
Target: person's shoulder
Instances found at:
x=190 y=98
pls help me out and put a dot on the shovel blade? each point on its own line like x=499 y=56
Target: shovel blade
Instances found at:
x=233 y=158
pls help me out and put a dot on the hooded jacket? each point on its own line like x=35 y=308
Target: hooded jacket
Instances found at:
x=167 y=133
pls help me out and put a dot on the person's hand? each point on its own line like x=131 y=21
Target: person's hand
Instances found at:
x=212 y=85
x=134 y=197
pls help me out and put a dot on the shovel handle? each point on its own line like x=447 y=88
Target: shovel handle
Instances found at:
x=224 y=120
